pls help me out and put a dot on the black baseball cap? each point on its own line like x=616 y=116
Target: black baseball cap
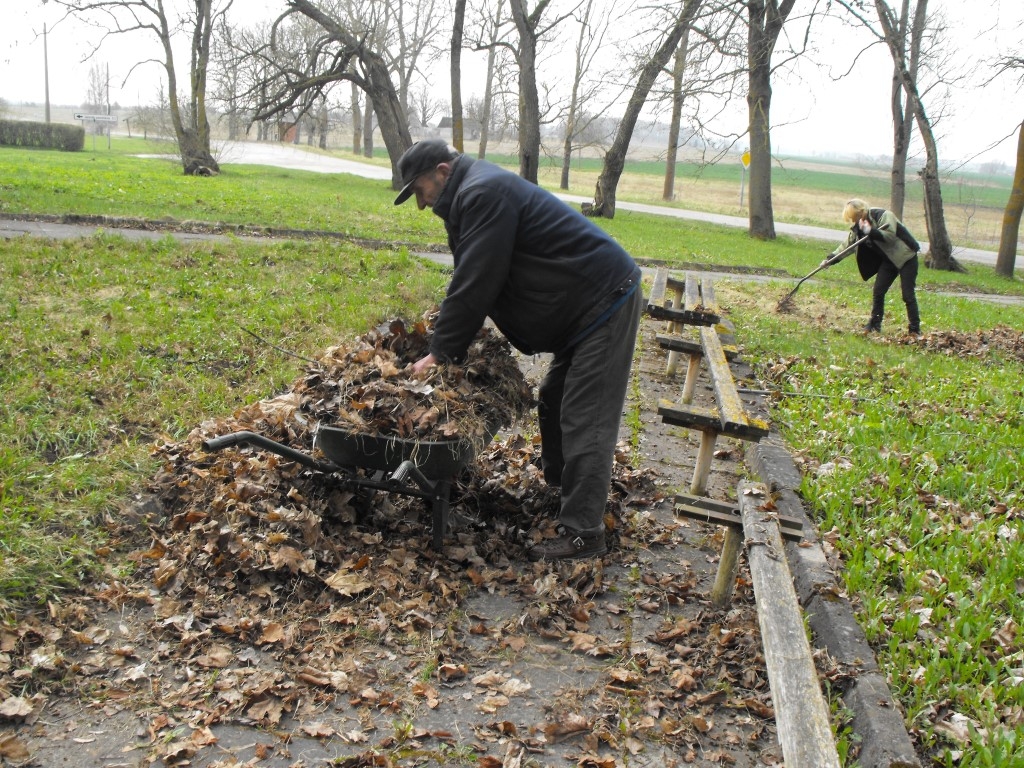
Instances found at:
x=421 y=157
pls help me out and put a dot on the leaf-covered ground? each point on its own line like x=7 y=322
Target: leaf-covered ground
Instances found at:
x=282 y=616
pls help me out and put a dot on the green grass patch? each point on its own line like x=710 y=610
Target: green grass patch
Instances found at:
x=111 y=345
x=911 y=456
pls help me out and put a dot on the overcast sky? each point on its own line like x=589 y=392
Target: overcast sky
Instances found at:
x=811 y=113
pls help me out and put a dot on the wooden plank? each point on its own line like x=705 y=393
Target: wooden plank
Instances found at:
x=707 y=296
x=700 y=417
x=657 y=298
x=801 y=715
x=702 y=511
x=692 y=346
x=734 y=417
x=682 y=315
x=692 y=300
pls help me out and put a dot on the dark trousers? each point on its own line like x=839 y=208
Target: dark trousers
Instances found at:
x=580 y=409
x=887 y=274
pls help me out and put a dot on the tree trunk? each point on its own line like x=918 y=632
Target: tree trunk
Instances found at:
x=904 y=119
x=357 y=122
x=1012 y=215
x=669 y=191
x=368 y=127
x=764 y=24
x=902 y=130
x=193 y=136
x=529 y=101
x=456 y=75
x=488 y=100
x=615 y=158
x=570 y=127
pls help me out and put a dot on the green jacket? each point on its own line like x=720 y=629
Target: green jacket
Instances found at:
x=883 y=242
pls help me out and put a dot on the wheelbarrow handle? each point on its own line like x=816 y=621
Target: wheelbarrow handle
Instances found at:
x=408 y=469
x=253 y=438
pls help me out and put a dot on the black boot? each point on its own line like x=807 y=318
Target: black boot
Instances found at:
x=874 y=325
x=913 y=319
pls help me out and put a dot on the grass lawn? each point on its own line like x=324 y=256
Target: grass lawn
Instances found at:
x=911 y=452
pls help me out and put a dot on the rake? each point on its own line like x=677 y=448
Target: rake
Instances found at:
x=786 y=302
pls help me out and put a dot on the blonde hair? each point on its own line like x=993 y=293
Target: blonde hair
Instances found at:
x=855 y=210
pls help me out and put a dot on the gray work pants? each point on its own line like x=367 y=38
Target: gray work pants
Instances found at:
x=580 y=409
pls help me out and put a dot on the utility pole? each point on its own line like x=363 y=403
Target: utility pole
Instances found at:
x=46 y=71
x=109 y=126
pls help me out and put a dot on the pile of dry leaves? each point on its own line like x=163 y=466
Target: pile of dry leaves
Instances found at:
x=1001 y=340
x=287 y=598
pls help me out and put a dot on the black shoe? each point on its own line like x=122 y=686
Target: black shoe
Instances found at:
x=570 y=545
x=872 y=328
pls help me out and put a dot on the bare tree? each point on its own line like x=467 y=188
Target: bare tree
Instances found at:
x=407 y=34
x=588 y=46
x=458 y=25
x=488 y=36
x=424 y=106
x=96 y=95
x=765 y=19
x=706 y=70
x=337 y=53
x=909 y=37
x=528 y=24
x=1010 y=231
x=226 y=79
x=615 y=157
x=532 y=28
x=888 y=31
x=357 y=120
x=199 y=18
x=939 y=244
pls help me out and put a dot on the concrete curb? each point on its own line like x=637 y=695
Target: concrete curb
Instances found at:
x=877 y=719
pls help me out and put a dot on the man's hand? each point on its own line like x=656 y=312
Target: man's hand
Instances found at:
x=865 y=226
x=423 y=363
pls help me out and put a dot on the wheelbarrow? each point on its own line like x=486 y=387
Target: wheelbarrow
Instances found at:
x=423 y=469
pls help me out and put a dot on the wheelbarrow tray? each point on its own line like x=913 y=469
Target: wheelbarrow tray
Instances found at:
x=435 y=459
x=420 y=468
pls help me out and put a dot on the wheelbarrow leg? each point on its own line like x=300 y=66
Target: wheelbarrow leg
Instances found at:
x=439 y=510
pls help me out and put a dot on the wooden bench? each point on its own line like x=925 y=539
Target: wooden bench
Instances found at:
x=727 y=417
x=693 y=303
x=730 y=516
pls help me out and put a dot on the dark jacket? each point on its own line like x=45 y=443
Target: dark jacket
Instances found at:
x=545 y=274
x=884 y=242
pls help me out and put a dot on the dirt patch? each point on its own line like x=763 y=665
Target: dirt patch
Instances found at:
x=469 y=657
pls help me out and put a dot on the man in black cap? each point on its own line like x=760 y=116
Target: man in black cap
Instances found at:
x=552 y=281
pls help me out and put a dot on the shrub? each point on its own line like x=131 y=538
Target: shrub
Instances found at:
x=23 y=133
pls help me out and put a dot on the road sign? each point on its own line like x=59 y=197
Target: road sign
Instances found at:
x=745 y=159
x=96 y=118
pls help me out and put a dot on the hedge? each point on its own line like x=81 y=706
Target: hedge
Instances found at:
x=23 y=133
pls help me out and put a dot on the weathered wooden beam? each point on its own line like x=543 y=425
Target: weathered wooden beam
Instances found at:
x=701 y=417
x=720 y=513
x=734 y=417
x=801 y=715
x=692 y=346
x=656 y=299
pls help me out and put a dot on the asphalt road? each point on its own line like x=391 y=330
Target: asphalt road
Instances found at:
x=299 y=158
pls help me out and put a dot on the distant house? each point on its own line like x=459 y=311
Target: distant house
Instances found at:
x=470 y=128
